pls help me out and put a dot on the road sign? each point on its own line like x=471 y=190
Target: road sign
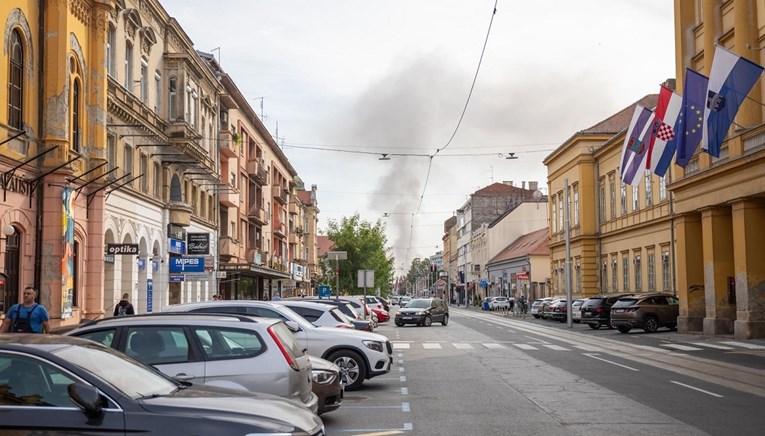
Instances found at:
x=325 y=291
x=366 y=278
x=337 y=255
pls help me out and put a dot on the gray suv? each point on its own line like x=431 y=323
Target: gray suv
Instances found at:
x=236 y=352
x=649 y=312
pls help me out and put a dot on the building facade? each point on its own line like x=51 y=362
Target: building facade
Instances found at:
x=522 y=268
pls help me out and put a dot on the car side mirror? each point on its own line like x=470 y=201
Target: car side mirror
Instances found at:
x=86 y=397
x=293 y=326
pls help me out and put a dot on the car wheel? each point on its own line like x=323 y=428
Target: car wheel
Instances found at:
x=594 y=326
x=353 y=370
x=650 y=324
x=624 y=328
x=399 y=324
x=445 y=320
x=427 y=321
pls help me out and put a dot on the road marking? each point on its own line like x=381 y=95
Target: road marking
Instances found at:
x=526 y=347
x=511 y=331
x=404 y=391
x=594 y=356
x=555 y=347
x=719 y=347
x=431 y=346
x=405 y=407
x=462 y=346
x=379 y=433
x=681 y=347
x=541 y=341
x=697 y=389
x=399 y=346
x=745 y=345
x=402 y=379
x=588 y=348
x=494 y=346
x=401 y=369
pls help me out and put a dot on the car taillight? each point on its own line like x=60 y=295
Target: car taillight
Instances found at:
x=290 y=361
x=597 y=309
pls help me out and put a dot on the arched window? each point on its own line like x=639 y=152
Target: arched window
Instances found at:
x=76 y=116
x=16 y=81
x=175 y=189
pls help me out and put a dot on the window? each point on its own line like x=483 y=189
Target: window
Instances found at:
x=157 y=344
x=624 y=198
x=665 y=270
x=663 y=188
x=220 y=343
x=602 y=202
x=172 y=91
x=604 y=275
x=554 y=215
x=638 y=274
x=576 y=205
x=625 y=273
x=111 y=153
x=76 y=133
x=31 y=382
x=111 y=40
x=561 y=218
x=635 y=199
x=16 y=82
x=129 y=66
x=128 y=158
x=144 y=173
x=578 y=269
x=157 y=179
x=648 y=188
x=651 y=272
x=614 y=274
x=144 y=81
x=157 y=92
x=612 y=192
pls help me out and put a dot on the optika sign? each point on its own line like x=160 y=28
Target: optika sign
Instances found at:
x=119 y=249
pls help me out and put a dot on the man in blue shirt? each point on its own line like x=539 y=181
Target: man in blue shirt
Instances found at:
x=26 y=317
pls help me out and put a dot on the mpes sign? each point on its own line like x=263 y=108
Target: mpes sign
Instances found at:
x=198 y=243
x=187 y=265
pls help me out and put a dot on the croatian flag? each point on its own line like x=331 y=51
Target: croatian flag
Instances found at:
x=664 y=140
x=636 y=144
x=691 y=119
x=731 y=79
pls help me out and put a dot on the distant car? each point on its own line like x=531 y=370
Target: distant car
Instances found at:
x=320 y=314
x=499 y=303
x=348 y=310
x=423 y=311
x=237 y=352
x=576 y=310
x=596 y=311
x=538 y=306
x=360 y=355
x=403 y=300
x=558 y=310
x=80 y=387
x=547 y=309
x=395 y=299
x=649 y=312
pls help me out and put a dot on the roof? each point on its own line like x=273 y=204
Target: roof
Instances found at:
x=534 y=244
x=499 y=189
x=323 y=245
x=304 y=197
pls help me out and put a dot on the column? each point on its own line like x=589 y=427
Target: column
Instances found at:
x=717 y=241
x=748 y=240
x=690 y=273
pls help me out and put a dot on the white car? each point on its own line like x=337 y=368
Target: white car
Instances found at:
x=499 y=303
x=360 y=355
x=319 y=314
x=576 y=309
x=537 y=304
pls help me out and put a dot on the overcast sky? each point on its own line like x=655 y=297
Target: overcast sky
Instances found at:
x=393 y=76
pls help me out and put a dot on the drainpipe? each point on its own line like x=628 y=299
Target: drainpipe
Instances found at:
x=40 y=186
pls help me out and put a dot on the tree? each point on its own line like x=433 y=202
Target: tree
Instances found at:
x=420 y=271
x=365 y=244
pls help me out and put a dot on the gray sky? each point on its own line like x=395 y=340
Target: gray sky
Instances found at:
x=393 y=76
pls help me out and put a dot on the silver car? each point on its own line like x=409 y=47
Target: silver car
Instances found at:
x=321 y=315
x=237 y=352
x=360 y=355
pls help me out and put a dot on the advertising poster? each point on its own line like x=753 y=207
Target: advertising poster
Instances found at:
x=67 y=259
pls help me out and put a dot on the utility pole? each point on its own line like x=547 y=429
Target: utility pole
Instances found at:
x=568 y=253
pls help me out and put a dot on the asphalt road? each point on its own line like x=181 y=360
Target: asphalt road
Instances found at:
x=486 y=374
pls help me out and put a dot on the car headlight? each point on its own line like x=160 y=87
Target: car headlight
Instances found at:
x=322 y=377
x=374 y=345
x=420 y=313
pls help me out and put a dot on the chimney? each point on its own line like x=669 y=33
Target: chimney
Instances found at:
x=506 y=182
x=523 y=184
x=533 y=186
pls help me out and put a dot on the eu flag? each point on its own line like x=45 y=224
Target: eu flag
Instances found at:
x=690 y=123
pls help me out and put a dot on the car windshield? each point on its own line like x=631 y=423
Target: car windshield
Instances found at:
x=418 y=304
x=122 y=372
x=340 y=316
x=626 y=302
x=592 y=302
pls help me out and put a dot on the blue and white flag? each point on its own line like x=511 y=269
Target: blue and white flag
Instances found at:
x=731 y=79
x=691 y=119
x=636 y=145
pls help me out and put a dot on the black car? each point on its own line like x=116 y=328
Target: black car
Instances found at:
x=423 y=311
x=596 y=311
x=80 y=387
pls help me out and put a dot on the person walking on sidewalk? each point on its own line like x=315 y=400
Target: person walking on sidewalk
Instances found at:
x=124 y=307
x=26 y=317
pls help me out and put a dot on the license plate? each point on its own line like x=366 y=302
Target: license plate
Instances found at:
x=406 y=317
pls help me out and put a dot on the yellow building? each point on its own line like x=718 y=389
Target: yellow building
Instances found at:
x=719 y=203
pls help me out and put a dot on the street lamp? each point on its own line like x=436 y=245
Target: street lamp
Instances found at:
x=8 y=230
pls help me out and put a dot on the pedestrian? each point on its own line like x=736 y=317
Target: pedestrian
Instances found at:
x=124 y=307
x=276 y=297
x=26 y=317
x=216 y=297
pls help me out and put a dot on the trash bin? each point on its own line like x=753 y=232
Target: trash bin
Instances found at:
x=485 y=305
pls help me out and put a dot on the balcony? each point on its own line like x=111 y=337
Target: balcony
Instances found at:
x=293 y=238
x=293 y=208
x=228 y=147
x=229 y=197
x=258 y=215
x=180 y=213
x=229 y=248
x=280 y=230
x=279 y=194
x=257 y=171
x=255 y=256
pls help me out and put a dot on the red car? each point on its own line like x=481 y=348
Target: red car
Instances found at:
x=382 y=314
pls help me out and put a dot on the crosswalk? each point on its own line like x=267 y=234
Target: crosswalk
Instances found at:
x=542 y=345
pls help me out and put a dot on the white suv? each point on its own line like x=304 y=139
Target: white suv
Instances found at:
x=360 y=355
x=236 y=352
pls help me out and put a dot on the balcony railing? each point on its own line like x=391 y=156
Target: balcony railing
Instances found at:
x=280 y=229
x=279 y=194
x=228 y=147
x=229 y=247
x=256 y=170
x=229 y=197
x=257 y=214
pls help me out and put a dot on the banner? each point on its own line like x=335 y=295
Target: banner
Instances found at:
x=67 y=258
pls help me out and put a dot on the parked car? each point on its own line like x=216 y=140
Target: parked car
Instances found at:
x=404 y=299
x=423 y=311
x=576 y=310
x=596 y=311
x=558 y=311
x=547 y=309
x=499 y=303
x=319 y=314
x=537 y=305
x=649 y=312
x=236 y=352
x=327 y=384
x=358 y=303
x=395 y=299
x=360 y=355
x=81 y=387
x=358 y=322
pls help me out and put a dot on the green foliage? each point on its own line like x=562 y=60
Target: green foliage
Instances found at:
x=365 y=244
x=418 y=272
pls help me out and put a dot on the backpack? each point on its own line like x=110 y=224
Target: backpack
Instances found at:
x=122 y=309
x=23 y=325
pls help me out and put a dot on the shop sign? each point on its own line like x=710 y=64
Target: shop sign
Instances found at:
x=122 y=249
x=198 y=243
x=174 y=231
x=176 y=277
x=177 y=246
x=195 y=277
x=187 y=264
x=16 y=184
x=209 y=263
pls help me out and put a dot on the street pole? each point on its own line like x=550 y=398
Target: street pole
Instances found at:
x=568 y=253
x=337 y=278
